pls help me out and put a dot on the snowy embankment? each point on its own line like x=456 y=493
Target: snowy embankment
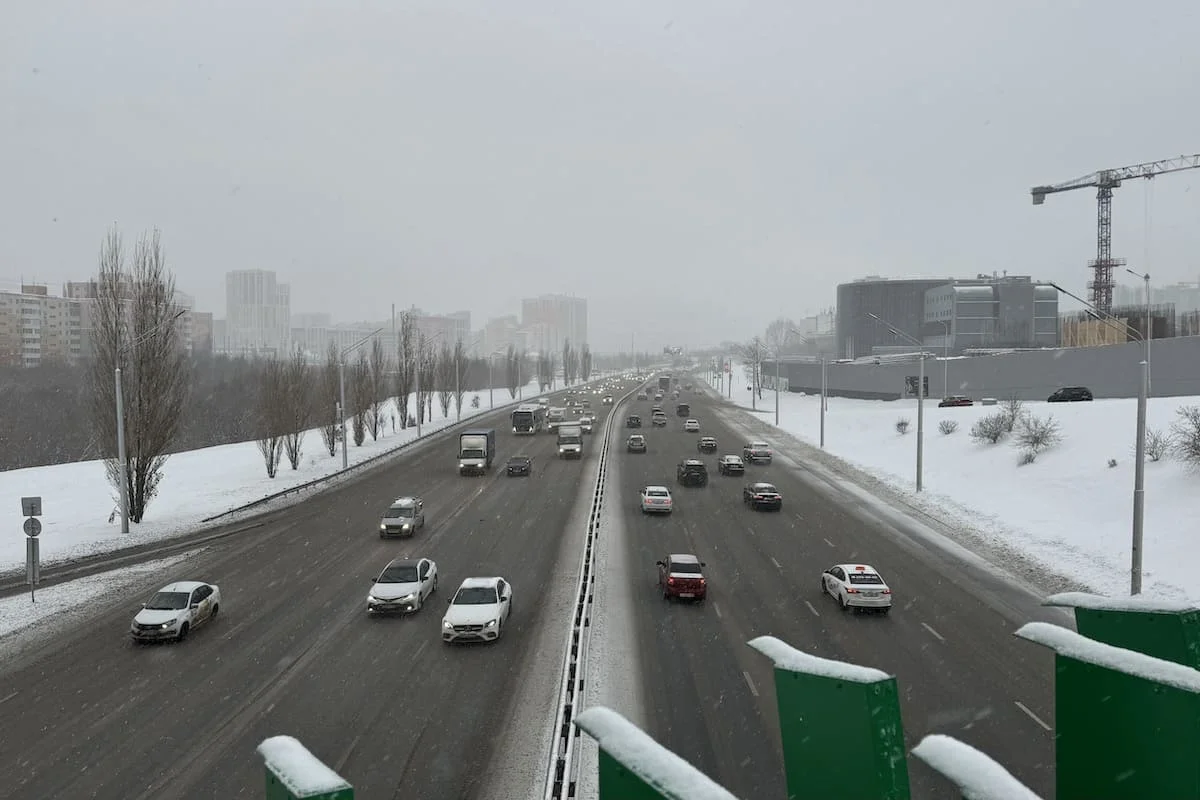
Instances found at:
x=1070 y=509
x=80 y=509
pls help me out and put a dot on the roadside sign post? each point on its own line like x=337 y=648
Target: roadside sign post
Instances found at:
x=31 y=508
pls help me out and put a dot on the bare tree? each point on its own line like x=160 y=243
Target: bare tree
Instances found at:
x=427 y=365
x=459 y=359
x=273 y=413
x=512 y=371
x=566 y=362
x=378 y=388
x=1185 y=433
x=445 y=378
x=299 y=403
x=360 y=396
x=134 y=328
x=779 y=334
x=585 y=363
x=330 y=396
x=406 y=366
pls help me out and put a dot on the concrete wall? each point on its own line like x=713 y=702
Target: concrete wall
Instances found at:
x=1032 y=375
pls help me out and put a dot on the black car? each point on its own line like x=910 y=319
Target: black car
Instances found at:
x=707 y=444
x=1071 y=394
x=692 y=473
x=519 y=465
x=633 y=421
x=683 y=410
x=762 y=495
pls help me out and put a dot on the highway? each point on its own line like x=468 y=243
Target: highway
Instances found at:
x=711 y=698
x=382 y=701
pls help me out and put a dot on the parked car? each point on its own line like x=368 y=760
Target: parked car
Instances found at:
x=1071 y=394
x=956 y=401
x=731 y=465
x=762 y=495
x=681 y=577
x=174 y=610
x=707 y=444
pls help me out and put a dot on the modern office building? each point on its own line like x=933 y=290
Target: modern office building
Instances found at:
x=899 y=302
x=554 y=319
x=990 y=312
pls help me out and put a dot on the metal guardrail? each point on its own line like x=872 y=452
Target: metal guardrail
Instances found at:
x=562 y=774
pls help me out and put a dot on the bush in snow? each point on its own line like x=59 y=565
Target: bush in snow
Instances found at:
x=990 y=429
x=1112 y=462
x=475 y=401
x=947 y=426
x=1027 y=457
x=1158 y=444
x=902 y=426
x=1186 y=434
x=1036 y=434
x=1010 y=412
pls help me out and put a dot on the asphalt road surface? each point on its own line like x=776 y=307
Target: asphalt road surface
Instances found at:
x=711 y=698
x=381 y=700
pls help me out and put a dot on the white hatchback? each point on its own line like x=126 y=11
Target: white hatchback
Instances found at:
x=692 y=426
x=857 y=586
x=656 y=499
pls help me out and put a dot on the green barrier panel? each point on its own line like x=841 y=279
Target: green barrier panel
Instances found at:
x=976 y=775
x=293 y=773
x=635 y=767
x=1166 y=630
x=1128 y=724
x=840 y=724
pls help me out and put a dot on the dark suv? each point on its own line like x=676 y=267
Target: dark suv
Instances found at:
x=633 y=421
x=692 y=473
x=1071 y=394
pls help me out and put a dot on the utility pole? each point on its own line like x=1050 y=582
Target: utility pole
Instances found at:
x=920 y=398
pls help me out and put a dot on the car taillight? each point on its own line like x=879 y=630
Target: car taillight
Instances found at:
x=702 y=581
x=851 y=590
x=887 y=591
x=670 y=581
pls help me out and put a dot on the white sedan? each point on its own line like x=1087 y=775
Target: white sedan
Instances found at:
x=175 y=610
x=857 y=586
x=691 y=426
x=404 y=585
x=478 y=611
x=656 y=499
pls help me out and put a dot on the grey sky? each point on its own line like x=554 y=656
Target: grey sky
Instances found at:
x=692 y=168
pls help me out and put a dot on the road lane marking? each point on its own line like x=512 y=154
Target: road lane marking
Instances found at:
x=1032 y=715
x=716 y=608
x=940 y=638
x=812 y=608
x=831 y=544
x=750 y=683
x=778 y=566
x=10 y=697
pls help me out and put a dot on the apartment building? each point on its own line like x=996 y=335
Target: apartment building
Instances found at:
x=257 y=314
x=552 y=320
x=39 y=328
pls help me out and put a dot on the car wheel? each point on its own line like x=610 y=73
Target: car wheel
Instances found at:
x=216 y=608
x=420 y=602
x=845 y=605
x=434 y=589
x=183 y=632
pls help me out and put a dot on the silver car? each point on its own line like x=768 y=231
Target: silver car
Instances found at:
x=403 y=517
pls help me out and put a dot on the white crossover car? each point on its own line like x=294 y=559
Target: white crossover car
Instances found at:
x=478 y=611
x=175 y=610
x=404 y=585
x=691 y=426
x=857 y=586
x=656 y=499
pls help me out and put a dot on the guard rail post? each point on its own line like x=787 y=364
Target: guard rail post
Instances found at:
x=293 y=773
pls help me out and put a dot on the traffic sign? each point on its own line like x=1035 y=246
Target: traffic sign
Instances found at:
x=33 y=526
x=31 y=506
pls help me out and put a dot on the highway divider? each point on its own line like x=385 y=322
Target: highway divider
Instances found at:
x=562 y=770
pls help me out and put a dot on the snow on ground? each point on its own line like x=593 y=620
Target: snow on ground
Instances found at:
x=77 y=500
x=1069 y=510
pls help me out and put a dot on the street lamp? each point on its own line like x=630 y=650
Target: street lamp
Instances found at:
x=1146 y=327
x=945 y=357
x=342 y=390
x=122 y=458
x=1139 y=458
x=920 y=397
x=824 y=407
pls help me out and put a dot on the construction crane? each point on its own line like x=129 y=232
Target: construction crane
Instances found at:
x=1101 y=285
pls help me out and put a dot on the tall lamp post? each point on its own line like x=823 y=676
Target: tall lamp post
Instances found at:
x=824 y=406
x=1139 y=457
x=1149 y=334
x=920 y=397
x=945 y=358
x=342 y=390
x=122 y=457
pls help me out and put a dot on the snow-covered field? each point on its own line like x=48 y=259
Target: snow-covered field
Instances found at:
x=77 y=500
x=1071 y=509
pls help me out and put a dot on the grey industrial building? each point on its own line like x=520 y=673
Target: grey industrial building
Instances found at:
x=901 y=302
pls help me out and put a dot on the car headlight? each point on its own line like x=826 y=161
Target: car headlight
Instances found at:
x=373 y=599
x=447 y=625
x=461 y=465
x=406 y=526
x=490 y=624
x=168 y=625
x=409 y=597
x=382 y=527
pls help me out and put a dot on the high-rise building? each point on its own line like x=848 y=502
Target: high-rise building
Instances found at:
x=554 y=319
x=257 y=313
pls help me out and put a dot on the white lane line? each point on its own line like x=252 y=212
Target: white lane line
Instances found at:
x=717 y=609
x=10 y=697
x=831 y=544
x=750 y=683
x=1032 y=715
x=812 y=609
x=778 y=566
x=940 y=638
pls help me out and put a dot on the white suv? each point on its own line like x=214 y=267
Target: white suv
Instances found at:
x=478 y=611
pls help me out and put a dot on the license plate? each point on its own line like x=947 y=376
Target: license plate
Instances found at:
x=686 y=594
x=871 y=594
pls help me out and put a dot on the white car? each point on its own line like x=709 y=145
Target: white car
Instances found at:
x=175 y=610
x=656 y=499
x=478 y=611
x=857 y=586
x=691 y=426
x=404 y=585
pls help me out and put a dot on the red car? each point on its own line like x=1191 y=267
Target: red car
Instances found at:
x=681 y=577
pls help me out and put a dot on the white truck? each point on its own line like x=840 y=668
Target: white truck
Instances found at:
x=570 y=441
x=555 y=417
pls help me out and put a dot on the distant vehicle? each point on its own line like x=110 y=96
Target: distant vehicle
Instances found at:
x=658 y=396
x=519 y=465
x=608 y=400
x=683 y=410
x=659 y=420
x=555 y=417
x=586 y=422
x=636 y=443
x=478 y=611
x=691 y=472
x=707 y=444
x=756 y=452
x=633 y=421
x=762 y=495
x=656 y=499
x=403 y=586
x=529 y=418
x=681 y=577
x=570 y=441
x=691 y=426
x=664 y=382
x=731 y=465
x=1071 y=394
x=643 y=396
x=476 y=449
x=688 y=387
x=543 y=401
x=956 y=401
x=857 y=586
x=403 y=517
x=656 y=409
x=174 y=610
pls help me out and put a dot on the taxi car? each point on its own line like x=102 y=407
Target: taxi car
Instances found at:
x=857 y=586
x=174 y=610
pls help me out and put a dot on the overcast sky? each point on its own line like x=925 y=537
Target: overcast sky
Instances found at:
x=692 y=168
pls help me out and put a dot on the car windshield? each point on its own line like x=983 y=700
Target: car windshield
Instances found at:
x=765 y=488
x=399 y=573
x=759 y=445
x=519 y=460
x=475 y=596
x=685 y=567
x=657 y=493
x=168 y=601
x=395 y=512
x=868 y=578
